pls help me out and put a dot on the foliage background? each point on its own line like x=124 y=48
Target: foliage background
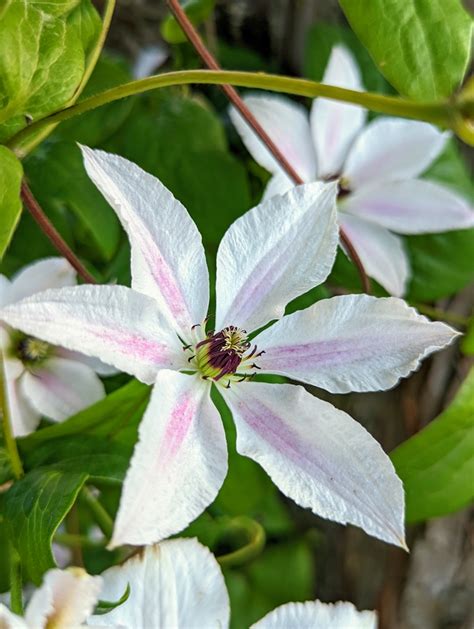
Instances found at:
x=184 y=136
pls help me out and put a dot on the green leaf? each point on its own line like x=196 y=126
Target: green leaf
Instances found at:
x=43 y=51
x=196 y=10
x=104 y=607
x=439 y=262
x=6 y=472
x=57 y=177
x=34 y=507
x=437 y=465
x=96 y=443
x=11 y=173
x=421 y=46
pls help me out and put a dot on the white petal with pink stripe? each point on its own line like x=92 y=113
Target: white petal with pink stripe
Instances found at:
x=319 y=457
x=351 y=343
x=179 y=462
x=116 y=324
x=168 y=260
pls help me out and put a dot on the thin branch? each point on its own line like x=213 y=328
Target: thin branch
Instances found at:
x=52 y=233
x=102 y=518
x=232 y=94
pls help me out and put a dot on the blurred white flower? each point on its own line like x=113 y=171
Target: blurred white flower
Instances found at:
x=43 y=379
x=377 y=166
x=177 y=584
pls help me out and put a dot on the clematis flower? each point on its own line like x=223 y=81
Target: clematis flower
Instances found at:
x=377 y=166
x=64 y=601
x=176 y=584
x=316 y=454
x=42 y=379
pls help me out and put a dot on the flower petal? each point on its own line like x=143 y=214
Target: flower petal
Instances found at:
x=24 y=418
x=41 y=275
x=113 y=323
x=314 y=614
x=168 y=260
x=334 y=125
x=278 y=184
x=179 y=462
x=391 y=149
x=351 y=343
x=5 y=287
x=60 y=388
x=275 y=252
x=319 y=457
x=94 y=363
x=9 y=620
x=66 y=599
x=177 y=583
x=415 y=206
x=286 y=123
x=382 y=253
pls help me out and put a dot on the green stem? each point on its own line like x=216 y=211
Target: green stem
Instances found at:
x=438 y=113
x=101 y=516
x=10 y=442
x=91 y=63
x=16 y=583
x=256 y=541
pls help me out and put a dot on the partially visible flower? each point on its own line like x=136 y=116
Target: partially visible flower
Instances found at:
x=43 y=379
x=316 y=454
x=177 y=584
x=65 y=600
x=377 y=167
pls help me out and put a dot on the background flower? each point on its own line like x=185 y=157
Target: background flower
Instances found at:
x=44 y=379
x=377 y=166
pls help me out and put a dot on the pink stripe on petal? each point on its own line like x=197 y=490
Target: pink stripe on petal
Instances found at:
x=134 y=345
x=163 y=276
x=177 y=429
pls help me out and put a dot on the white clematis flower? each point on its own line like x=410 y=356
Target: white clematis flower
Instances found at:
x=377 y=166
x=176 y=584
x=42 y=379
x=65 y=600
x=316 y=454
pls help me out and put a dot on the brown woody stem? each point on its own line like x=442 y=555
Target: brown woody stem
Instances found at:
x=52 y=233
x=232 y=94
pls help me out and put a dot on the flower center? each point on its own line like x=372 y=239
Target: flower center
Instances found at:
x=221 y=354
x=30 y=349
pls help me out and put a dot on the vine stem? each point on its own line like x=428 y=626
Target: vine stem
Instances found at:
x=234 y=97
x=101 y=516
x=437 y=113
x=52 y=233
x=9 y=438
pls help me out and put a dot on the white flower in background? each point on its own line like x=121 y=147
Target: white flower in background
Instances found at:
x=64 y=601
x=376 y=165
x=177 y=584
x=42 y=379
x=316 y=454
